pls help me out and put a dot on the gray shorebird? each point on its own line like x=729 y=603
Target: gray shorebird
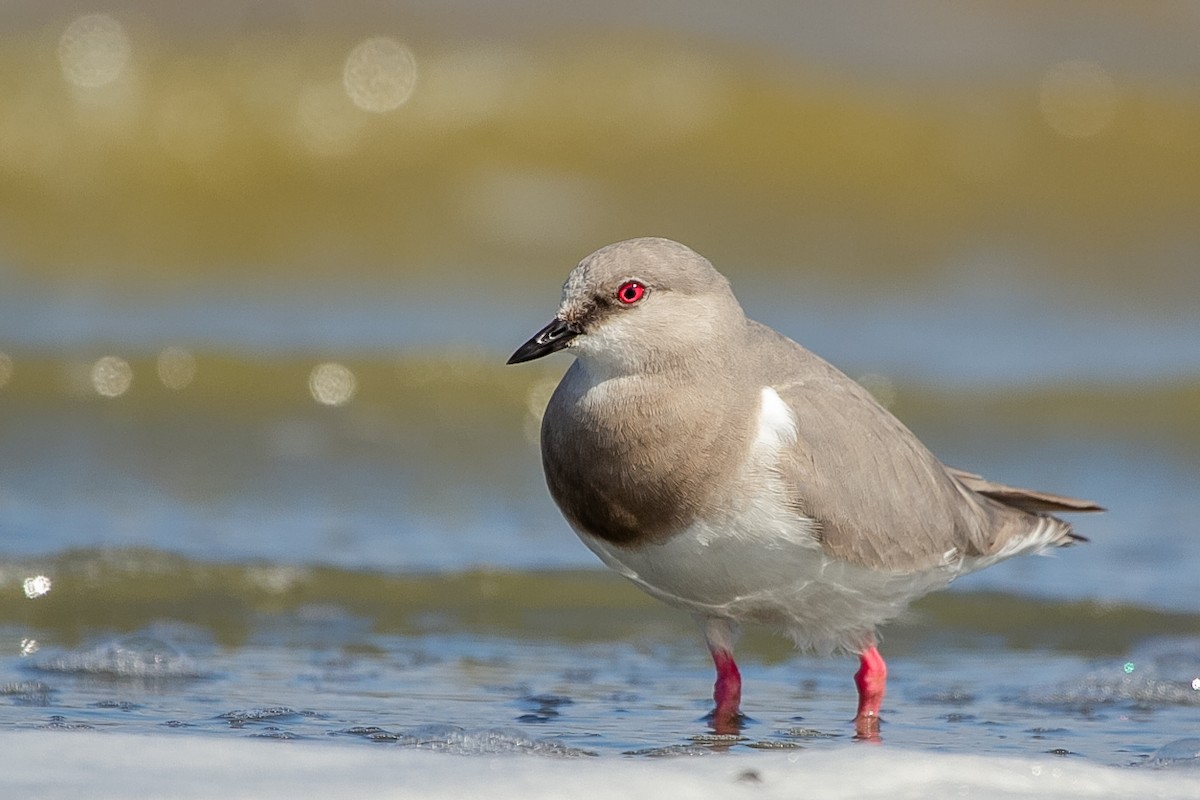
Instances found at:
x=727 y=471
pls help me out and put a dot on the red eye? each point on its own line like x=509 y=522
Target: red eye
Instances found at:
x=630 y=292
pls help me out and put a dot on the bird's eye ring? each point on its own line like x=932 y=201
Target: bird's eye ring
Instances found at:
x=630 y=292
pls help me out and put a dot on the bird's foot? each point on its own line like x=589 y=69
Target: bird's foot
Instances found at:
x=866 y=728
x=726 y=721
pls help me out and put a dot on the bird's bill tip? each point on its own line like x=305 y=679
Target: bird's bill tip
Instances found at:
x=550 y=339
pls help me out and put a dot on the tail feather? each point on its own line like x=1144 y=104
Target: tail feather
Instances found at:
x=1047 y=533
x=1029 y=500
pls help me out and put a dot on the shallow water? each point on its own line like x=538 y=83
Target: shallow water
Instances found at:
x=562 y=663
x=235 y=558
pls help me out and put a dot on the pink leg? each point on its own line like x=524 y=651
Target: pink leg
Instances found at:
x=871 y=680
x=727 y=691
x=721 y=635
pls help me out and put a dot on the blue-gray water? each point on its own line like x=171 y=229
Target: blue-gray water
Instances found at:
x=233 y=557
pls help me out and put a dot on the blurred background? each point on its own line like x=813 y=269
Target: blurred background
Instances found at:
x=261 y=263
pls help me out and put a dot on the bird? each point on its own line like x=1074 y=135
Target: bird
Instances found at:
x=727 y=471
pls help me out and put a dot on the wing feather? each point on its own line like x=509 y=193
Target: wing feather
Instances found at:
x=880 y=498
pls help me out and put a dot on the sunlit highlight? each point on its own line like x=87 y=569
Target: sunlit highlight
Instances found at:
x=332 y=384
x=37 y=586
x=380 y=74
x=1078 y=99
x=29 y=646
x=93 y=51
x=111 y=376
x=176 y=367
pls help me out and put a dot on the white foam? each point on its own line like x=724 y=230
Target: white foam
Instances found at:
x=102 y=765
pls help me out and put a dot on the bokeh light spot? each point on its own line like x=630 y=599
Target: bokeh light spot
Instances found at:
x=36 y=586
x=380 y=74
x=1129 y=667
x=1078 y=98
x=176 y=367
x=93 y=51
x=332 y=384
x=111 y=376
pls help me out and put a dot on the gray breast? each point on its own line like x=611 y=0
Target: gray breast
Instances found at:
x=635 y=468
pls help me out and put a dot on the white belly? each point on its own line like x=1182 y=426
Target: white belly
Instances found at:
x=751 y=567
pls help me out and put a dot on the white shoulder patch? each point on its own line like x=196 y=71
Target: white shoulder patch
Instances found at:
x=776 y=423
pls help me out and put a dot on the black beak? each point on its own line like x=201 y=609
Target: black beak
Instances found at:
x=550 y=339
